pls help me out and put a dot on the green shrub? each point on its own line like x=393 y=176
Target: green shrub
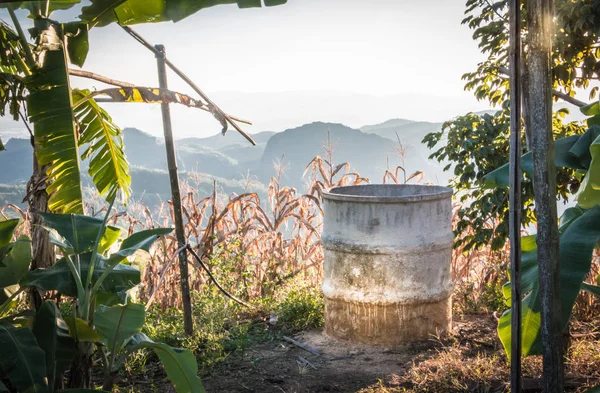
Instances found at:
x=302 y=308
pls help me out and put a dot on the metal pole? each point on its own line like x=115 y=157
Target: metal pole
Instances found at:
x=540 y=15
x=188 y=323
x=515 y=193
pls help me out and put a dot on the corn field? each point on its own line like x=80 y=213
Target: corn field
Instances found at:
x=256 y=245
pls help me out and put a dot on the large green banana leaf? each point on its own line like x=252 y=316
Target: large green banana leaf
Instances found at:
x=103 y=140
x=181 y=365
x=22 y=359
x=81 y=331
x=141 y=240
x=119 y=323
x=590 y=188
x=53 y=5
x=51 y=112
x=129 y=12
x=52 y=335
x=12 y=69
x=7 y=229
x=580 y=152
x=76 y=41
x=15 y=264
x=59 y=277
x=565 y=155
x=116 y=277
x=76 y=233
x=578 y=239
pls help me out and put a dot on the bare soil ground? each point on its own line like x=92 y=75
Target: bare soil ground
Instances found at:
x=280 y=366
x=469 y=359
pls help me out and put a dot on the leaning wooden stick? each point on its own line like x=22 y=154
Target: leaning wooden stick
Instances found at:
x=302 y=345
x=187 y=80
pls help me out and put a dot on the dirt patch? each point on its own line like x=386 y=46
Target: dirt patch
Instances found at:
x=280 y=366
x=469 y=359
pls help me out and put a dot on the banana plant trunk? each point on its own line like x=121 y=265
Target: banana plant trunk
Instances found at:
x=43 y=251
x=80 y=373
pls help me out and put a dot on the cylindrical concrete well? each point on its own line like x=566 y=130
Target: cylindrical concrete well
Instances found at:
x=388 y=251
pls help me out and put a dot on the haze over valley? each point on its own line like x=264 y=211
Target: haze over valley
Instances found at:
x=238 y=167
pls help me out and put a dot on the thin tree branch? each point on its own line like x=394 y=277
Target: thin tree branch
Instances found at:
x=568 y=98
x=495 y=11
x=26 y=124
x=555 y=93
x=99 y=78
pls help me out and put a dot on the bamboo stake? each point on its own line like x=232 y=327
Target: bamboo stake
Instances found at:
x=515 y=193
x=188 y=323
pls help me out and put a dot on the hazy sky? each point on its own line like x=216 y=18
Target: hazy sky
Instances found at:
x=349 y=61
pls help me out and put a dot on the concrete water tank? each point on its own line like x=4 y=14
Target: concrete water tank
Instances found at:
x=388 y=251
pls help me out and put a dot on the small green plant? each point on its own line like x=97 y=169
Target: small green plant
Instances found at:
x=302 y=308
x=489 y=298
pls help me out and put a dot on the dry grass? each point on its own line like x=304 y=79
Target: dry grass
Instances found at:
x=471 y=360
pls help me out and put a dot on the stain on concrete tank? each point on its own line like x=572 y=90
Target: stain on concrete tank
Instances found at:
x=388 y=251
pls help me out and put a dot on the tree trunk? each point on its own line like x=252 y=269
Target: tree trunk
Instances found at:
x=80 y=375
x=109 y=381
x=539 y=20
x=43 y=251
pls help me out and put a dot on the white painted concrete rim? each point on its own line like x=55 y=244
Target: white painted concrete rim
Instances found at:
x=375 y=193
x=350 y=247
x=408 y=297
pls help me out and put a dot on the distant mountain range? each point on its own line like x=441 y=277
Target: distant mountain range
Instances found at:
x=230 y=158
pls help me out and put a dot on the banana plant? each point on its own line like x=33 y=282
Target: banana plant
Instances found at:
x=103 y=321
x=31 y=357
x=579 y=234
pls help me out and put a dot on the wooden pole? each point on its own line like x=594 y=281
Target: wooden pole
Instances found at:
x=515 y=193
x=540 y=15
x=188 y=323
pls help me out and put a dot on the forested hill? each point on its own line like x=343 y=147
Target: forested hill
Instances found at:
x=230 y=158
x=368 y=153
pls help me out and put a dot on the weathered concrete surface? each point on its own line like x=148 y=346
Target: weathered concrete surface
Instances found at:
x=387 y=262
